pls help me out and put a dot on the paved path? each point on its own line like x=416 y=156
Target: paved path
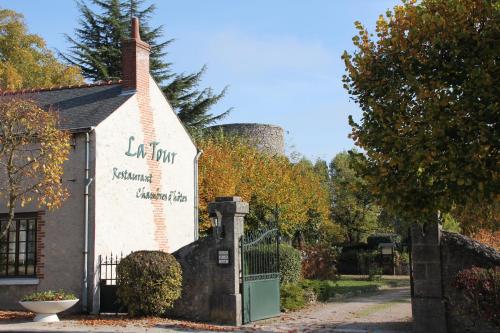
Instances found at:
x=388 y=311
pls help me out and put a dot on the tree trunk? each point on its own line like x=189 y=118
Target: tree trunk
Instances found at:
x=10 y=220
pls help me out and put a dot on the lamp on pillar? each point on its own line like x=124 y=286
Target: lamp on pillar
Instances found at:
x=216 y=218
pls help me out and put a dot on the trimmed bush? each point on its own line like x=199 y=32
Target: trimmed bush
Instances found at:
x=148 y=282
x=292 y=297
x=323 y=289
x=290 y=264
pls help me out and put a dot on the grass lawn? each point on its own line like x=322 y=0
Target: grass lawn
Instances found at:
x=385 y=281
x=297 y=296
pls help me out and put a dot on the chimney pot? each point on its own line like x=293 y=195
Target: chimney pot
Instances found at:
x=134 y=31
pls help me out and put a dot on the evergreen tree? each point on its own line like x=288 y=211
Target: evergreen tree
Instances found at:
x=96 y=49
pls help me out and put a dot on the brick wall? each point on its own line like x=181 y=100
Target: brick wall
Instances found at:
x=135 y=67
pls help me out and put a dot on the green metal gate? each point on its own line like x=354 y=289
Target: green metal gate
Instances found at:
x=260 y=274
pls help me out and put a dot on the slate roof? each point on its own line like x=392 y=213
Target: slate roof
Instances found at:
x=80 y=106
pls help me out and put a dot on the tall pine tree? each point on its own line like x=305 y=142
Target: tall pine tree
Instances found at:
x=96 y=49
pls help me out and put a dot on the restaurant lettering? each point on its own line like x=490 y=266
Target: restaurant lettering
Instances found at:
x=172 y=196
x=142 y=192
x=127 y=175
x=157 y=153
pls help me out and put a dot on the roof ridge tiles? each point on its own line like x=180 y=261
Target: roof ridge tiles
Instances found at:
x=74 y=86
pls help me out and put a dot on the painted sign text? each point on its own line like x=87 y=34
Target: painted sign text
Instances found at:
x=157 y=153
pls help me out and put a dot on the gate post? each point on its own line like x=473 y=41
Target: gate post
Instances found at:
x=427 y=295
x=226 y=302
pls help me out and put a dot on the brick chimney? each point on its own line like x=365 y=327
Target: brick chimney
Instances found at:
x=135 y=61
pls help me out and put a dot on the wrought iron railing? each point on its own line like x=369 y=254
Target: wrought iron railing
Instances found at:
x=107 y=268
x=260 y=254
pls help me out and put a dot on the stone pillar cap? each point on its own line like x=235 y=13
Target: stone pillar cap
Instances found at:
x=228 y=205
x=225 y=199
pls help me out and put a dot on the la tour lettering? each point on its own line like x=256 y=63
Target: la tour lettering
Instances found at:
x=157 y=153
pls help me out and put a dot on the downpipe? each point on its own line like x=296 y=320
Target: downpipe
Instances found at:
x=196 y=196
x=88 y=182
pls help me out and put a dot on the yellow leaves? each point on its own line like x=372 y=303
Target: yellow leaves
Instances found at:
x=230 y=166
x=10 y=78
x=26 y=62
x=39 y=149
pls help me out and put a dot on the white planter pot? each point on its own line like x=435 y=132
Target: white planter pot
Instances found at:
x=46 y=311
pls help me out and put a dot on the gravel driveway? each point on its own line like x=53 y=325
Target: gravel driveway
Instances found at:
x=387 y=311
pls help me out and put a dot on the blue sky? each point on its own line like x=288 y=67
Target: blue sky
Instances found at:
x=280 y=58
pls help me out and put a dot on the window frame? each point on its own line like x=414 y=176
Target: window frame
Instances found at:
x=4 y=268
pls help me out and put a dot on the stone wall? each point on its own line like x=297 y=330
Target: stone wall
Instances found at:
x=211 y=291
x=459 y=252
x=268 y=138
x=197 y=261
x=437 y=257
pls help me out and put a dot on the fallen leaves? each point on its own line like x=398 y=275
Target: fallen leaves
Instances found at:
x=16 y=315
x=124 y=321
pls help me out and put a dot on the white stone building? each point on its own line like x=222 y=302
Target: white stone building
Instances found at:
x=132 y=178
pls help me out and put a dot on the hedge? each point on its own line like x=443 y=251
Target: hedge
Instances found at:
x=148 y=282
x=290 y=264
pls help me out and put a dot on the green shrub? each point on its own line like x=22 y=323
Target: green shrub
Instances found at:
x=480 y=288
x=324 y=289
x=298 y=295
x=148 y=282
x=375 y=273
x=404 y=258
x=49 y=295
x=290 y=264
x=292 y=297
x=368 y=261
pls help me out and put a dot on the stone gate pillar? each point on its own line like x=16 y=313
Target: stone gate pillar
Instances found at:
x=225 y=301
x=427 y=299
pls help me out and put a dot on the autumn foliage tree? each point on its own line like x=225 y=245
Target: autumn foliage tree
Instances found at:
x=428 y=85
x=231 y=166
x=32 y=153
x=25 y=61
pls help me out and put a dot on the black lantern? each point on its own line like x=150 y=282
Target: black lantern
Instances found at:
x=216 y=218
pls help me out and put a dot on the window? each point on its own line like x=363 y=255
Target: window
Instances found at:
x=18 y=246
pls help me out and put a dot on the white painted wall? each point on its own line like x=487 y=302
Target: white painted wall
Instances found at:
x=123 y=222
x=119 y=221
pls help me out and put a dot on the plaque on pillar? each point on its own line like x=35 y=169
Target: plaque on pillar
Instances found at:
x=223 y=257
